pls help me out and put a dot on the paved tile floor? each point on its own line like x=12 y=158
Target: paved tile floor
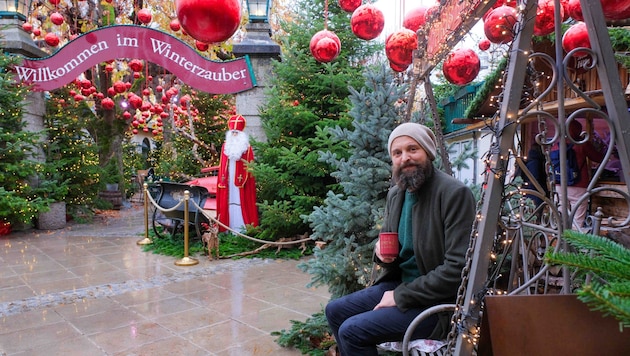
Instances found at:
x=91 y=290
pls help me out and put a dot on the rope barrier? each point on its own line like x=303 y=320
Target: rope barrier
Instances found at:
x=207 y=214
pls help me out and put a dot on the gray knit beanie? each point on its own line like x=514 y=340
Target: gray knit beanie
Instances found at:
x=422 y=134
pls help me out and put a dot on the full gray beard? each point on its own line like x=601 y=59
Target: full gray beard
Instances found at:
x=412 y=181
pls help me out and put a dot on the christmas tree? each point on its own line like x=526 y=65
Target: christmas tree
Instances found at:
x=306 y=97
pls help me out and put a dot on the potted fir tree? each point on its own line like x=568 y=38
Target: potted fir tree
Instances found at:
x=52 y=188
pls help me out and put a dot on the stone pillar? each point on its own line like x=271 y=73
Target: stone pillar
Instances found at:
x=262 y=50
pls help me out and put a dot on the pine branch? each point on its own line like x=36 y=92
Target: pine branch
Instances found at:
x=598 y=297
x=604 y=246
x=599 y=265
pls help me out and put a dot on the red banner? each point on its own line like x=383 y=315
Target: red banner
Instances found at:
x=130 y=41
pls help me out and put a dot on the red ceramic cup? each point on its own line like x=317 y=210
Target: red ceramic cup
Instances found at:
x=388 y=242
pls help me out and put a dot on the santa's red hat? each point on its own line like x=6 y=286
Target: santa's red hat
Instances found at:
x=236 y=122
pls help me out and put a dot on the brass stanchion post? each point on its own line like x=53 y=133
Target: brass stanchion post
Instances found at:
x=186 y=261
x=146 y=240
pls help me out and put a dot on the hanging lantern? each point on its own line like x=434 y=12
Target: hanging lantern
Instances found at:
x=575 y=37
x=325 y=46
x=616 y=9
x=499 y=24
x=415 y=18
x=349 y=5
x=545 y=17
x=399 y=46
x=367 y=22
x=209 y=21
x=461 y=66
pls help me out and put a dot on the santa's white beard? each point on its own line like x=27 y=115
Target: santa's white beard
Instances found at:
x=236 y=143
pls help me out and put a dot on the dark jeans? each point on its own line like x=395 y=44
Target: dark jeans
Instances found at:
x=358 y=328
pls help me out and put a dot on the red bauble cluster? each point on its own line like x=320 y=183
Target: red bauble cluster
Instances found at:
x=209 y=21
x=349 y=5
x=575 y=37
x=499 y=24
x=367 y=22
x=461 y=66
x=325 y=46
x=399 y=48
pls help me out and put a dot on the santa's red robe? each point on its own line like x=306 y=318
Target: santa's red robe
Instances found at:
x=244 y=181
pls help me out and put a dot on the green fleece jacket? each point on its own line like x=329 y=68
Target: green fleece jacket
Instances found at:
x=443 y=220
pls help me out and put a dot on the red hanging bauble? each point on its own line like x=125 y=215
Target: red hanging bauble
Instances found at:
x=565 y=9
x=201 y=46
x=616 y=9
x=127 y=115
x=119 y=87
x=349 y=5
x=56 y=18
x=575 y=10
x=499 y=3
x=367 y=22
x=111 y=91
x=174 y=25
x=85 y=83
x=398 y=68
x=107 y=103
x=545 y=23
x=135 y=101
x=135 y=65
x=209 y=21
x=499 y=24
x=461 y=66
x=576 y=36
x=54 y=2
x=484 y=44
x=27 y=26
x=144 y=16
x=325 y=46
x=415 y=18
x=51 y=39
x=37 y=32
x=399 y=46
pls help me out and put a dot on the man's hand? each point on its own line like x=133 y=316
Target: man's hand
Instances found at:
x=377 y=251
x=386 y=301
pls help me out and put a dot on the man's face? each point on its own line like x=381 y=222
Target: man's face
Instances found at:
x=411 y=164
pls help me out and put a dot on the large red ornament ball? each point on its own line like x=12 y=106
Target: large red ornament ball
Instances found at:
x=399 y=46
x=574 y=8
x=415 y=18
x=325 y=46
x=56 y=18
x=545 y=23
x=349 y=5
x=51 y=39
x=616 y=9
x=398 y=68
x=209 y=21
x=499 y=24
x=499 y=3
x=367 y=22
x=575 y=37
x=107 y=103
x=144 y=16
x=461 y=66
x=484 y=44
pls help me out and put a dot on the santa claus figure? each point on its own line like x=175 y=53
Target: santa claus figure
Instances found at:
x=236 y=187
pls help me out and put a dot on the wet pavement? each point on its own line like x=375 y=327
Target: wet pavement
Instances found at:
x=89 y=289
